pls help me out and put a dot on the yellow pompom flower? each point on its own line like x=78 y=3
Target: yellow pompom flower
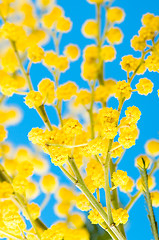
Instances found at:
x=119 y=178
x=62 y=209
x=128 y=136
x=83 y=97
x=96 y=146
x=89 y=70
x=108 y=53
x=34 y=211
x=72 y=127
x=91 y=53
x=47 y=89
x=14 y=222
x=95 y=217
x=35 y=54
x=66 y=91
x=90 y=29
x=123 y=90
x=155 y=198
x=72 y=52
x=152 y=147
x=128 y=187
x=120 y=216
x=62 y=63
x=33 y=99
x=96 y=1
x=116 y=150
x=25 y=168
x=76 y=220
x=12 y=31
x=50 y=59
x=115 y=15
x=90 y=184
x=57 y=232
x=32 y=190
x=9 y=61
x=138 y=43
x=49 y=183
x=10 y=166
x=6 y=190
x=94 y=167
x=132 y=114
x=20 y=184
x=129 y=63
x=114 y=35
x=3 y=133
x=151 y=183
x=49 y=19
x=40 y=165
x=144 y=87
x=64 y=25
x=139 y=161
x=65 y=194
x=82 y=202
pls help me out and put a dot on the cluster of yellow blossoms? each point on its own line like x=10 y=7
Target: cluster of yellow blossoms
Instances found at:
x=87 y=149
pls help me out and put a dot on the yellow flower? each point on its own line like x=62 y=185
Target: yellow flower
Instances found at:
x=82 y=202
x=119 y=178
x=123 y=90
x=72 y=52
x=32 y=190
x=20 y=184
x=90 y=29
x=95 y=217
x=62 y=209
x=115 y=14
x=90 y=53
x=6 y=190
x=76 y=220
x=96 y=1
x=127 y=136
x=25 y=168
x=64 y=24
x=50 y=59
x=12 y=31
x=46 y=88
x=120 y=216
x=152 y=147
x=35 y=53
x=49 y=19
x=82 y=97
x=62 y=63
x=129 y=63
x=138 y=43
x=132 y=114
x=139 y=161
x=34 y=211
x=128 y=187
x=33 y=99
x=49 y=183
x=108 y=53
x=155 y=198
x=9 y=61
x=66 y=91
x=114 y=35
x=151 y=183
x=144 y=87
x=116 y=150
x=3 y=133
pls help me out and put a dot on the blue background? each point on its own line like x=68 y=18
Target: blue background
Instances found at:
x=79 y=11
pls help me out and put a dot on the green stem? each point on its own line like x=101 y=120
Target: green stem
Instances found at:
x=10 y=236
x=81 y=185
x=41 y=111
x=91 y=110
x=21 y=66
x=99 y=43
x=68 y=175
x=107 y=187
x=149 y=203
x=133 y=200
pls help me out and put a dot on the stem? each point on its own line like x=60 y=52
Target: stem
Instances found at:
x=81 y=185
x=91 y=110
x=68 y=175
x=41 y=111
x=45 y=201
x=99 y=43
x=98 y=194
x=107 y=187
x=67 y=146
x=133 y=200
x=21 y=66
x=11 y=236
x=149 y=203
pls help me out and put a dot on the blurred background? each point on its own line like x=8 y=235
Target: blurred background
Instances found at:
x=79 y=11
